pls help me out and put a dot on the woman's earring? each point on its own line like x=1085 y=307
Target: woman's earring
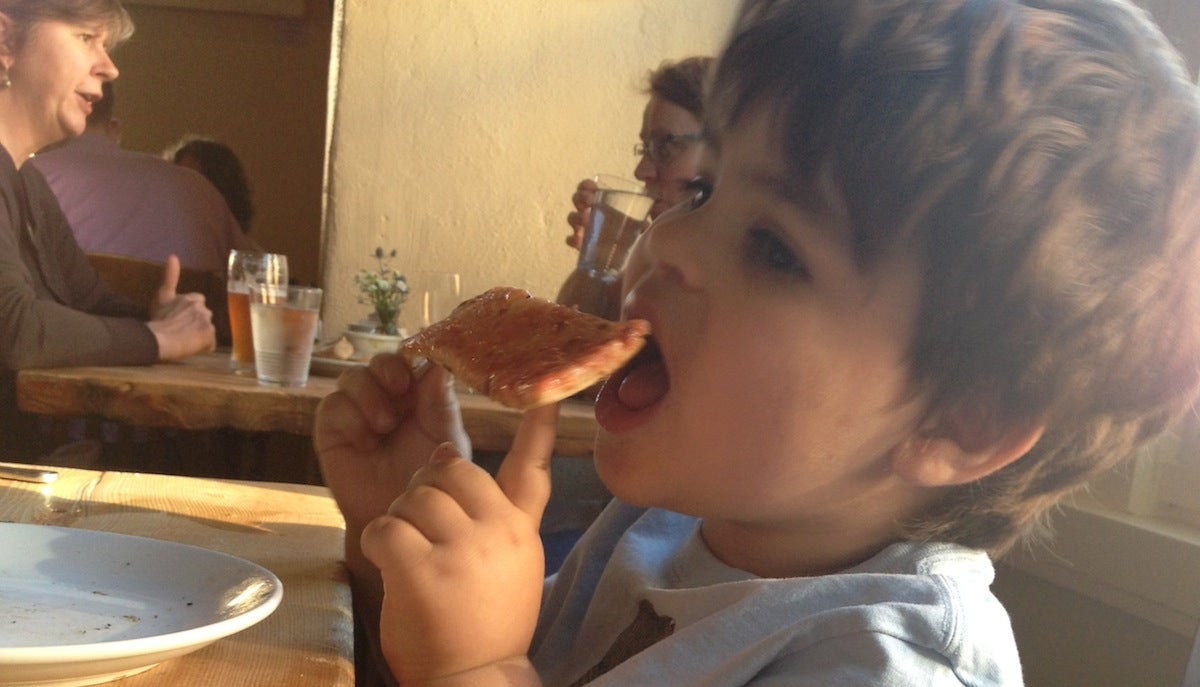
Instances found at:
x=5 y=82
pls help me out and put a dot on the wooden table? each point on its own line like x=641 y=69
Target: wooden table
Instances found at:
x=293 y=530
x=202 y=393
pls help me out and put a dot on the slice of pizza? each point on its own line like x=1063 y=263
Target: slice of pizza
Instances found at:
x=526 y=352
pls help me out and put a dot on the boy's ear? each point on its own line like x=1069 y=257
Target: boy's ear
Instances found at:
x=960 y=446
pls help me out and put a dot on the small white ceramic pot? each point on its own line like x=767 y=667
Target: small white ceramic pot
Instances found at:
x=367 y=344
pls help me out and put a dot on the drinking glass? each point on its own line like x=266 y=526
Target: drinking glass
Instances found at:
x=439 y=293
x=245 y=269
x=285 y=325
x=617 y=182
x=617 y=219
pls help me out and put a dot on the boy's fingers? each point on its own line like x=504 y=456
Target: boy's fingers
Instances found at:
x=437 y=410
x=524 y=476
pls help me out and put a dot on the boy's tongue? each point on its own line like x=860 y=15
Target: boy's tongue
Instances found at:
x=644 y=385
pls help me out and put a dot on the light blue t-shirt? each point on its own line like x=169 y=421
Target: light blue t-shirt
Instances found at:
x=642 y=601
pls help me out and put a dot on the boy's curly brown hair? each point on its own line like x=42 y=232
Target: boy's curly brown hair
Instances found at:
x=1040 y=157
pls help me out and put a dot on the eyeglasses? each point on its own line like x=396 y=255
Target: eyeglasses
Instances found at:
x=663 y=149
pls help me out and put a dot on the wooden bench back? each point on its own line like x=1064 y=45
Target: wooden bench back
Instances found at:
x=138 y=280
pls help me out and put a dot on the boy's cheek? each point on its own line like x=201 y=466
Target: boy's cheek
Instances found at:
x=636 y=266
x=640 y=261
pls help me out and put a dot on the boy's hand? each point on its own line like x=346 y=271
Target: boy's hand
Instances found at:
x=370 y=436
x=378 y=429
x=462 y=563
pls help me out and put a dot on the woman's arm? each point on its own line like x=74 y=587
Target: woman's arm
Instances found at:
x=40 y=331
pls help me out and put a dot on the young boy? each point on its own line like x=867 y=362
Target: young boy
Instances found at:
x=938 y=275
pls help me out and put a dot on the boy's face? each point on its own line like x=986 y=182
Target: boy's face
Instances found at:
x=783 y=385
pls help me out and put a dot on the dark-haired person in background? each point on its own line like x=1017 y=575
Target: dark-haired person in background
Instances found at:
x=218 y=163
x=136 y=204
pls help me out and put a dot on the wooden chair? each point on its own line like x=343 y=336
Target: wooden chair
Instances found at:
x=138 y=279
x=142 y=448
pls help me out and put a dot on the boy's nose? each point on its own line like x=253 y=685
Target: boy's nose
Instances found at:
x=673 y=244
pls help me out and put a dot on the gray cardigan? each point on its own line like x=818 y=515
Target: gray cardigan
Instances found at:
x=54 y=309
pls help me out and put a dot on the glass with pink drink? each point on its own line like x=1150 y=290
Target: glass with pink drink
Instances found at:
x=284 y=324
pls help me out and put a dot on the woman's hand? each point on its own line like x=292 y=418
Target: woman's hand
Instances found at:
x=181 y=323
x=582 y=199
x=462 y=564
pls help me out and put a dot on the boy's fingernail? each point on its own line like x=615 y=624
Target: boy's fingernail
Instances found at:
x=444 y=454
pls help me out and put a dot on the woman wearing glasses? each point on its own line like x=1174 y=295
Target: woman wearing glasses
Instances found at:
x=669 y=150
x=668 y=160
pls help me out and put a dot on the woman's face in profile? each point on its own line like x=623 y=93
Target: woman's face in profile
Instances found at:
x=670 y=162
x=59 y=70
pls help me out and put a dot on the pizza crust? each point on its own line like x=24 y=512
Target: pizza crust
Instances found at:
x=526 y=352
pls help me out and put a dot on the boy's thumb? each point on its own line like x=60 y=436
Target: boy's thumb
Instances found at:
x=524 y=476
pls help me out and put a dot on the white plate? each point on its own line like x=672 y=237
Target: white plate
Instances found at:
x=80 y=607
x=327 y=366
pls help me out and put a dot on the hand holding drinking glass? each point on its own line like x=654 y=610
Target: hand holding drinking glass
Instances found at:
x=585 y=196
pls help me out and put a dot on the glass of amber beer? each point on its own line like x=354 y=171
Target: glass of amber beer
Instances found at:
x=246 y=268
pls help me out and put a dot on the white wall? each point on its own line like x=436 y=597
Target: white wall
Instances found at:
x=462 y=126
x=1068 y=639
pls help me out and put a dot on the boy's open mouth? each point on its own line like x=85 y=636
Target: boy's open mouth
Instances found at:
x=641 y=384
x=644 y=381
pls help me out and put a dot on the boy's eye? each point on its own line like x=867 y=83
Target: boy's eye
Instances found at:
x=700 y=189
x=764 y=248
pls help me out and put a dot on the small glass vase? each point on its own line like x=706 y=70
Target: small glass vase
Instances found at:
x=372 y=324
